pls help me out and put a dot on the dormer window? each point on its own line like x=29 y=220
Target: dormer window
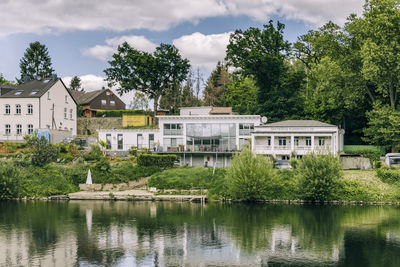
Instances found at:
x=34 y=92
x=18 y=92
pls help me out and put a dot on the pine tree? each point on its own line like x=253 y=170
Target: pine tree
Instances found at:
x=216 y=86
x=36 y=63
x=75 y=83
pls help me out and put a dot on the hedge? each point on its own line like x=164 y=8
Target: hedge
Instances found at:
x=119 y=113
x=162 y=161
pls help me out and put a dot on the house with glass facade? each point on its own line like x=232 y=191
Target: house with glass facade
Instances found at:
x=199 y=136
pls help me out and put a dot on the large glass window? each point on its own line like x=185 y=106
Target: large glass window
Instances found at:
x=211 y=137
x=173 y=129
x=120 y=140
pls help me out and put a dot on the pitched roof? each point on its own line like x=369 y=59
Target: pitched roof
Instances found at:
x=4 y=88
x=221 y=110
x=299 y=123
x=85 y=98
x=31 y=89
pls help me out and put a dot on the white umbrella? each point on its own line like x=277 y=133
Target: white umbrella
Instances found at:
x=89 y=177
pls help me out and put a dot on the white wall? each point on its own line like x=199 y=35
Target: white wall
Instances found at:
x=56 y=95
x=130 y=137
x=13 y=119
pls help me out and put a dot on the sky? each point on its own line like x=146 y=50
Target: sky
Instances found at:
x=82 y=35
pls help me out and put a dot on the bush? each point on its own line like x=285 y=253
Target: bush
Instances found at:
x=388 y=175
x=293 y=163
x=378 y=164
x=319 y=176
x=251 y=177
x=10 y=180
x=43 y=152
x=94 y=154
x=370 y=153
x=162 y=161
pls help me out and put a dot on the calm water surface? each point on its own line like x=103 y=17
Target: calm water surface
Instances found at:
x=90 y=233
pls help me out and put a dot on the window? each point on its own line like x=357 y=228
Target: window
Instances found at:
x=245 y=128
x=282 y=141
x=48 y=95
x=151 y=140
x=7 y=109
x=104 y=102
x=120 y=141
x=108 y=140
x=285 y=157
x=8 y=129
x=17 y=109
x=71 y=112
x=18 y=92
x=112 y=103
x=269 y=141
x=296 y=141
x=66 y=99
x=30 y=109
x=308 y=141
x=30 y=128
x=139 y=141
x=19 y=129
x=65 y=113
x=321 y=141
x=173 y=129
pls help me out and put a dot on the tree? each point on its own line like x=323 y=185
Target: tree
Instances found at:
x=216 y=86
x=36 y=62
x=383 y=127
x=264 y=55
x=4 y=81
x=139 y=101
x=241 y=95
x=131 y=69
x=75 y=83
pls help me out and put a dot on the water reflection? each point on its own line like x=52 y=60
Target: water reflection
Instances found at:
x=182 y=234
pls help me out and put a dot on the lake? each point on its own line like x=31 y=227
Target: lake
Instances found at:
x=101 y=233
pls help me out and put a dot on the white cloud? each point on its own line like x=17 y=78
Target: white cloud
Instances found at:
x=49 y=16
x=91 y=82
x=104 y=52
x=203 y=50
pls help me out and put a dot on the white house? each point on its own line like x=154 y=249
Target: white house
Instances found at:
x=199 y=135
x=44 y=104
x=296 y=137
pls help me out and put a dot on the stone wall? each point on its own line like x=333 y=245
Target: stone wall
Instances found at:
x=88 y=126
x=355 y=163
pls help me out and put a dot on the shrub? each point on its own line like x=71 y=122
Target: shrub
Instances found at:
x=319 y=176
x=293 y=163
x=162 y=161
x=388 y=175
x=95 y=153
x=378 y=164
x=132 y=150
x=251 y=177
x=10 y=180
x=43 y=152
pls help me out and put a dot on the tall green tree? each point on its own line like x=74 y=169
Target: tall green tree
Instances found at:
x=241 y=95
x=75 y=83
x=152 y=74
x=383 y=127
x=216 y=86
x=139 y=101
x=4 y=81
x=36 y=62
x=264 y=54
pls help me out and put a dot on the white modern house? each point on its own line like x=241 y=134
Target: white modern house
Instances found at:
x=199 y=135
x=44 y=104
x=296 y=138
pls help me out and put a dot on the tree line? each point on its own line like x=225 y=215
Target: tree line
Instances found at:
x=344 y=75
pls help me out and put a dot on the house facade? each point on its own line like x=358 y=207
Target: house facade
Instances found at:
x=285 y=139
x=44 y=104
x=93 y=101
x=199 y=136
